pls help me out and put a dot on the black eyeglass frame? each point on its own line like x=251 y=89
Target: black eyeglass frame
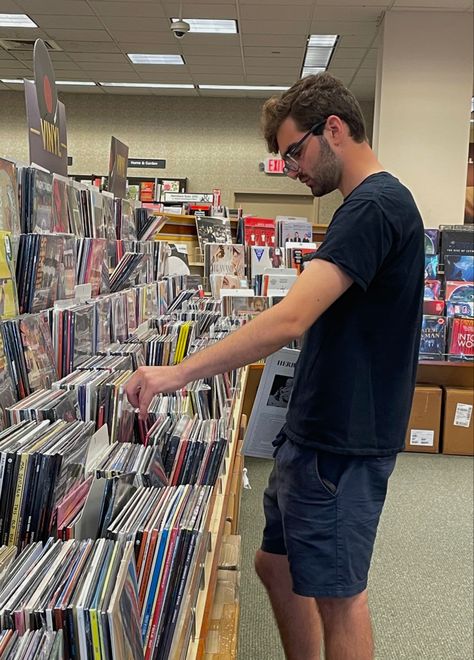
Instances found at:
x=291 y=164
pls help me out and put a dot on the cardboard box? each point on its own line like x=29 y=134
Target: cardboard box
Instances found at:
x=425 y=420
x=458 y=422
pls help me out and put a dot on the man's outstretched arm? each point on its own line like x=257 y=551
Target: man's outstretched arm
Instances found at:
x=320 y=284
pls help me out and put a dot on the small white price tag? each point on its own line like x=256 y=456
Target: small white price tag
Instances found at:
x=422 y=437
x=463 y=415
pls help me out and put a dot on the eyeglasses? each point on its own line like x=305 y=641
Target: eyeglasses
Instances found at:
x=291 y=155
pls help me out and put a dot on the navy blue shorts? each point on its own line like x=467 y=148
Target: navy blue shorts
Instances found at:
x=322 y=511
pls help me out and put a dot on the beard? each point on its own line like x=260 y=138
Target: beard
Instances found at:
x=326 y=175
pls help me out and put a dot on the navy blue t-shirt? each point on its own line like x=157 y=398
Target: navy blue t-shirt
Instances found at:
x=356 y=373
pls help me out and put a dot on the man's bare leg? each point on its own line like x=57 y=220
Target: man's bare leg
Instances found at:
x=297 y=617
x=347 y=628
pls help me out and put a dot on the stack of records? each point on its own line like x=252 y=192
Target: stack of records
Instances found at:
x=39 y=463
x=134 y=352
x=9 y=209
x=88 y=590
x=7 y=389
x=36 y=203
x=119 y=328
x=129 y=266
x=108 y=362
x=168 y=528
x=8 y=290
x=29 y=352
x=45 y=270
x=60 y=205
x=43 y=405
x=73 y=336
x=102 y=324
x=293 y=230
x=74 y=207
x=213 y=230
x=37 y=645
x=191 y=450
x=125 y=220
x=126 y=458
x=149 y=225
x=91 y=259
x=224 y=260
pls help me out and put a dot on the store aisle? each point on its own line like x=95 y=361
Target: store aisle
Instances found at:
x=422 y=575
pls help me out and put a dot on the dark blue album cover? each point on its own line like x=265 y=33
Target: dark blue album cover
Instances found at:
x=431 y=241
x=431 y=266
x=433 y=338
x=459 y=268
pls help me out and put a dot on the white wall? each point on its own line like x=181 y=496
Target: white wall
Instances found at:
x=422 y=108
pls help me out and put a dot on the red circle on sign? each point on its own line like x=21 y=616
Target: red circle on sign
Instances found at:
x=48 y=94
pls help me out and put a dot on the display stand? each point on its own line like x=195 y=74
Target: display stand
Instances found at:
x=195 y=624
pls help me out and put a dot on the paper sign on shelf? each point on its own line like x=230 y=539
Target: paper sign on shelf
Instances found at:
x=463 y=415
x=422 y=437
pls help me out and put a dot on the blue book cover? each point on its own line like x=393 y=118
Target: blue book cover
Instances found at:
x=431 y=241
x=459 y=268
x=433 y=338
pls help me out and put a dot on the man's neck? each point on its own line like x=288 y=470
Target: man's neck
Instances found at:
x=359 y=163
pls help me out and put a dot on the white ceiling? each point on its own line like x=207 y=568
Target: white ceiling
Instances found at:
x=269 y=49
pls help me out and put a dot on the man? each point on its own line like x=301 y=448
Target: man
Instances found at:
x=359 y=301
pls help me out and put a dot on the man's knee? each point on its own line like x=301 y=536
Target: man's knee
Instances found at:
x=270 y=567
x=333 y=607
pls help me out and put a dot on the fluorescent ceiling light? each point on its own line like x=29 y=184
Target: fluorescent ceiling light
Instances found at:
x=76 y=83
x=318 y=53
x=16 y=21
x=328 y=40
x=210 y=25
x=250 y=88
x=147 y=85
x=147 y=58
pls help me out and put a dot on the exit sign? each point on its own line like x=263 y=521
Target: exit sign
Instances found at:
x=273 y=165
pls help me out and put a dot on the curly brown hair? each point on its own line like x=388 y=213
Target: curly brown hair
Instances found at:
x=309 y=101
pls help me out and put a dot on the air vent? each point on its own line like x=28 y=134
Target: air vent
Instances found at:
x=26 y=44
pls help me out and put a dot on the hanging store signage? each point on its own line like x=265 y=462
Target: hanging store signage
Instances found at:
x=46 y=115
x=147 y=163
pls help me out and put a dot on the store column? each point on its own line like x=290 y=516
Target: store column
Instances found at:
x=423 y=105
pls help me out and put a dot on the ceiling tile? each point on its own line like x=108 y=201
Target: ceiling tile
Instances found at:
x=140 y=42
x=344 y=62
x=355 y=3
x=210 y=49
x=276 y=27
x=208 y=40
x=53 y=21
x=282 y=12
x=219 y=79
x=106 y=66
x=114 y=76
x=60 y=7
x=5 y=55
x=91 y=46
x=283 y=40
x=273 y=52
x=210 y=61
x=131 y=9
x=277 y=2
x=201 y=10
x=61 y=34
x=351 y=53
x=197 y=70
x=276 y=61
x=349 y=13
x=344 y=27
x=100 y=57
x=357 y=40
x=445 y=5
x=137 y=25
x=8 y=7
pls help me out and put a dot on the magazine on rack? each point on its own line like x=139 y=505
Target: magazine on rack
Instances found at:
x=271 y=403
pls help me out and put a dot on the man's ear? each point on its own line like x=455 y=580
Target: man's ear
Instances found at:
x=337 y=129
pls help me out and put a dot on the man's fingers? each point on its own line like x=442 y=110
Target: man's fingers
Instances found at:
x=145 y=397
x=132 y=389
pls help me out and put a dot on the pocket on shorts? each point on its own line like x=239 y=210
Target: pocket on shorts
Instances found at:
x=331 y=471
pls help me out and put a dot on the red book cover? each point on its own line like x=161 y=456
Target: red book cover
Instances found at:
x=433 y=307
x=462 y=337
x=432 y=289
x=459 y=291
x=259 y=231
x=147 y=191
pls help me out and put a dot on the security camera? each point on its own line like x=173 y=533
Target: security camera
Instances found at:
x=179 y=28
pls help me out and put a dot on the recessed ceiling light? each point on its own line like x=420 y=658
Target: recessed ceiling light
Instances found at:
x=319 y=51
x=210 y=25
x=250 y=88
x=16 y=21
x=149 y=58
x=147 y=85
x=76 y=83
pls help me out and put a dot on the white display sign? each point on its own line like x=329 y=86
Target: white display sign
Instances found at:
x=271 y=403
x=463 y=415
x=422 y=437
x=174 y=197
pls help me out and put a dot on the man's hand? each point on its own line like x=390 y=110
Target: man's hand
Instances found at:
x=148 y=381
